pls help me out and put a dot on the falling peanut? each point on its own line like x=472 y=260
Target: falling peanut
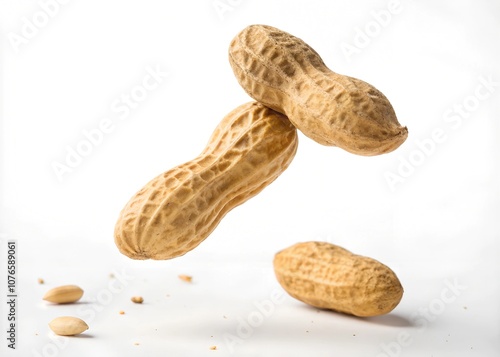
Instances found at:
x=284 y=73
x=178 y=209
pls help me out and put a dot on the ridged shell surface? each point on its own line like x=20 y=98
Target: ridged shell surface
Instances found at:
x=284 y=73
x=327 y=276
x=178 y=209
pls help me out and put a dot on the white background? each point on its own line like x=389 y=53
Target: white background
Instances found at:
x=436 y=226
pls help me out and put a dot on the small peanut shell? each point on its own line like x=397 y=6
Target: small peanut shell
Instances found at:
x=64 y=294
x=330 y=277
x=68 y=326
x=284 y=73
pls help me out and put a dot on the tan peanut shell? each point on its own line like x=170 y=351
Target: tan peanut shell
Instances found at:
x=330 y=277
x=64 y=294
x=68 y=326
x=177 y=210
x=284 y=73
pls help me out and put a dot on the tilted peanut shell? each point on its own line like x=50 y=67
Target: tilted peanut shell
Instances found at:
x=178 y=209
x=284 y=73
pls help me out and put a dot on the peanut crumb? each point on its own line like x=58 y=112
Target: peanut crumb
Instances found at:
x=137 y=299
x=41 y=281
x=186 y=278
x=121 y=312
x=136 y=343
x=213 y=348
